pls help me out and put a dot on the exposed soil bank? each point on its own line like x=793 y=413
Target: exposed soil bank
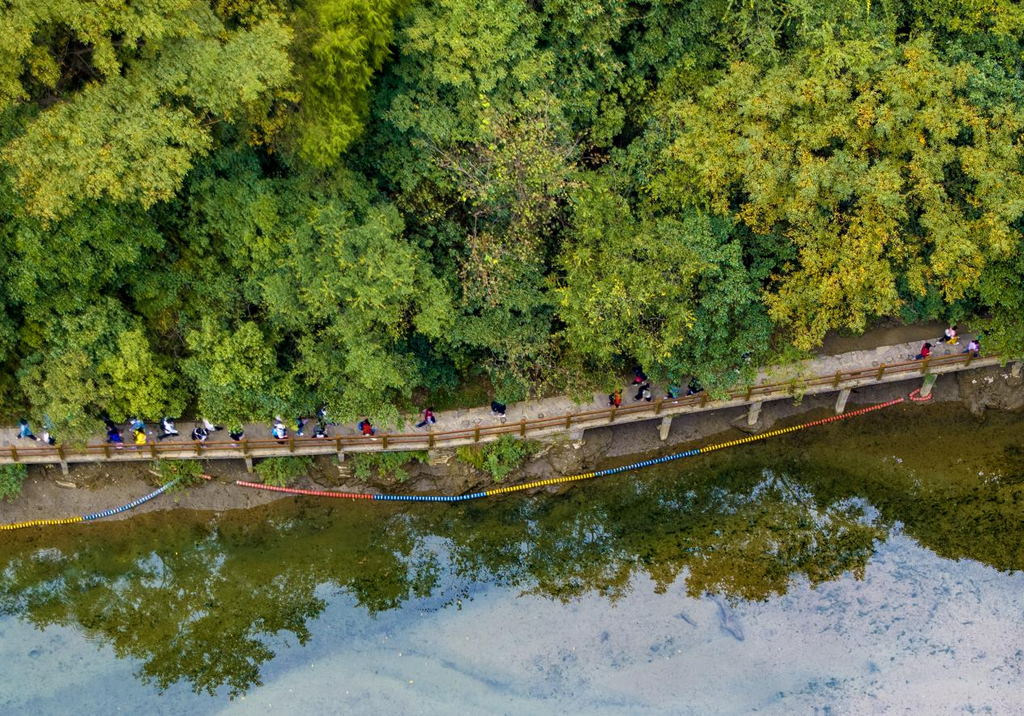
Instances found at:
x=90 y=488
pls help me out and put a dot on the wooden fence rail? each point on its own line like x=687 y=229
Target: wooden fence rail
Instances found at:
x=522 y=428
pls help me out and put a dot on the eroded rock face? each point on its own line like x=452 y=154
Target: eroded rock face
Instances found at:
x=575 y=456
x=994 y=387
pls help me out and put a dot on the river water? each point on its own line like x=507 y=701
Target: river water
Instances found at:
x=871 y=566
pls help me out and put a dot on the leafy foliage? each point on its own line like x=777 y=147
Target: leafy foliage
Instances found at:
x=386 y=464
x=179 y=474
x=11 y=479
x=250 y=207
x=498 y=458
x=282 y=471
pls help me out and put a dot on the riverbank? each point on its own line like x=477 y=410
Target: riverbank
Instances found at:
x=90 y=488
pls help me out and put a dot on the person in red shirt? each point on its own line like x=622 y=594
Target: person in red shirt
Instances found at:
x=926 y=350
x=366 y=428
x=428 y=418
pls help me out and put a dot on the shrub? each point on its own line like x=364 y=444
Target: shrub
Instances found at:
x=11 y=478
x=499 y=458
x=387 y=464
x=186 y=472
x=282 y=471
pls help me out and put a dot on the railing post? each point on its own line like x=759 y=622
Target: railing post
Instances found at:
x=611 y=415
x=245 y=446
x=881 y=372
x=199 y=447
x=476 y=434
x=522 y=427
x=430 y=439
x=657 y=406
x=838 y=378
x=568 y=421
x=337 y=443
x=703 y=398
x=924 y=364
x=152 y=449
x=750 y=389
x=384 y=439
x=60 y=452
x=969 y=357
x=291 y=443
x=14 y=453
x=106 y=450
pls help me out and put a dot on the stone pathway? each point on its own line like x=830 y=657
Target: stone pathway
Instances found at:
x=560 y=405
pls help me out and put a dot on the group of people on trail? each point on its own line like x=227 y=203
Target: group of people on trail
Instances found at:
x=950 y=337
x=25 y=433
x=643 y=389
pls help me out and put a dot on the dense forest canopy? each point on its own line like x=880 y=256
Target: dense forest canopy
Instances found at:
x=247 y=207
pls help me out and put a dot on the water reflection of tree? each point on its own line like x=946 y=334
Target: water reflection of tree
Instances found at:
x=740 y=533
x=201 y=602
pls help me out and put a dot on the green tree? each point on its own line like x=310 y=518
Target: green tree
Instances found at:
x=877 y=163
x=153 y=80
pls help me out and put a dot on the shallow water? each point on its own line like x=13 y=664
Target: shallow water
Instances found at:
x=865 y=567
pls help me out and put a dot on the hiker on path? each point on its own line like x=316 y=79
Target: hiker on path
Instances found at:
x=950 y=336
x=279 y=431
x=114 y=436
x=167 y=429
x=210 y=427
x=694 y=386
x=428 y=418
x=300 y=425
x=498 y=408
x=320 y=431
x=639 y=377
x=974 y=348
x=615 y=399
x=24 y=431
x=237 y=434
x=140 y=437
x=926 y=350
x=643 y=393
x=200 y=433
x=365 y=428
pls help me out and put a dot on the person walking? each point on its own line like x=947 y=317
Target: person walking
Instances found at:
x=926 y=350
x=25 y=431
x=320 y=431
x=300 y=425
x=639 y=377
x=135 y=424
x=428 y=418
x=950 y=336
x=366 y=429
x=497 y=408
x=210 y=427
x=643 y=392
x=200 y=434
x=279 y=431
x=114 y=436
x=140 y=438
x=694 y=386
x=615 y=399
x=167 y=429
x=974 y=348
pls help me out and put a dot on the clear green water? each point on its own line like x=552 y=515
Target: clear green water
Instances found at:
x=865 y=567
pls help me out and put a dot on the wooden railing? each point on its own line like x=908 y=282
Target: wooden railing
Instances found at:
x=523 y=428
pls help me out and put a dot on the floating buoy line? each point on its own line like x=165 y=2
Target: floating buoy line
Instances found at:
x=461 y=498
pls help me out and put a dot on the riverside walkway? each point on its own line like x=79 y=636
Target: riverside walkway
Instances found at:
x=542 y=418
